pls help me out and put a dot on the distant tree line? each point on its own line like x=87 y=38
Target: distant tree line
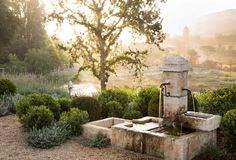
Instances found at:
x=24 y=44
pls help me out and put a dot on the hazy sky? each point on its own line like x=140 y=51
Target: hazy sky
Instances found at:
x=178 y=13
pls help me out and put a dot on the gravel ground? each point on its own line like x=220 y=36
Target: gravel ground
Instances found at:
x=13 y=146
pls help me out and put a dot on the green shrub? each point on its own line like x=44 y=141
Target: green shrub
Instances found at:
x=218 y=101
x=52 y=104
x=89 y=104
x=75 y=118
x=100 y=141
x=37 y=100
x=22 y=106
x=114 y=109
x=117 y=95
x=48 y=137
x=133 y=114
x=132 y=111
x=37 y=117
x=153 y=106
x=213 y=153
x=228 y=125
x=6 y=86
x=144 y=97
x=65 y=104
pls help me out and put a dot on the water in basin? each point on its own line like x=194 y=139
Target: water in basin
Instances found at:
x=143 y=127
x=175 y=131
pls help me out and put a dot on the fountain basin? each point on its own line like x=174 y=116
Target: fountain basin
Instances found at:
x=103 y=126
x=152 y=139
x=200 y=121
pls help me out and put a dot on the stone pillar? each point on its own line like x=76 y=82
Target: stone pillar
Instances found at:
x=175 y=71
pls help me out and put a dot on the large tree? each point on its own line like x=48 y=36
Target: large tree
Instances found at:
x=8 y=27
x=98 y=26
x=31 y=32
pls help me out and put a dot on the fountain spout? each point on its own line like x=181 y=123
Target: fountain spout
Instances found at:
x=190 y=93
x=162 y=92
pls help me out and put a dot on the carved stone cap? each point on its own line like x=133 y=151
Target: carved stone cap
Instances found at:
x=175 y=64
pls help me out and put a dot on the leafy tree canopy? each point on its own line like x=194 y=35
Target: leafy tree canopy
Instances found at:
x=31 y=33
x=8 y=27
x=98 y=26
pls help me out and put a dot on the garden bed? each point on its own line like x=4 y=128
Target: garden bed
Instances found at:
x=13 y=145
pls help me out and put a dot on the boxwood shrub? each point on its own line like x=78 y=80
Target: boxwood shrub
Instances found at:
x=37 y=117
x=153 y=106
x=6 y=86
x=133 y=114
x=89 y=104
x=228 y=125
x=144 y=97
x=115 y=94
x=65 y=104
x=114 y=109
x=75 y=118
x=217 y=101
x=132 y=111
x=25 y=103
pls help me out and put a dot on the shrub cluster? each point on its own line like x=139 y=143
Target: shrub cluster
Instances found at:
x=228 y=125
x=40 y=114
x=153 y=105
x=65 y=104
x=37 y=117
x=133 y=114
x=25 y=103
x=89 y=104
x=144 y=97
x=117 y=95
x=218 y=101
x=75 y=118
x=114 y=109
x=7 y=87
x=50 y=136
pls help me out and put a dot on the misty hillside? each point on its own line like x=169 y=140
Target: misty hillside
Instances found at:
x=216 y=23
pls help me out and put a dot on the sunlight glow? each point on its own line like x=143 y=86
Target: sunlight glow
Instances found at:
x=67 y=32
x=176 y=15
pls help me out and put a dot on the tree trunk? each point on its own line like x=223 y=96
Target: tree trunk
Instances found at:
x=103 y=79
x=103 y=84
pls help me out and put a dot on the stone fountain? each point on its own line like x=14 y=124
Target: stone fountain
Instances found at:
x=177 y=134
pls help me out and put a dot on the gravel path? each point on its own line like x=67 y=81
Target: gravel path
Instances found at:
x=13 y=146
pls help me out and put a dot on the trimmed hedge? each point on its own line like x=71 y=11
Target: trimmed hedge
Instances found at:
x=133 y=114
x=115 y=94
x=37 y=117
x=153 y=106
x=75 y=118
x=144 y=97
x=114 y=109
x=228 y=125
x=6 y=86
x=89 y=104
x=217 y=101
x=65 y=104
x=25 y=103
